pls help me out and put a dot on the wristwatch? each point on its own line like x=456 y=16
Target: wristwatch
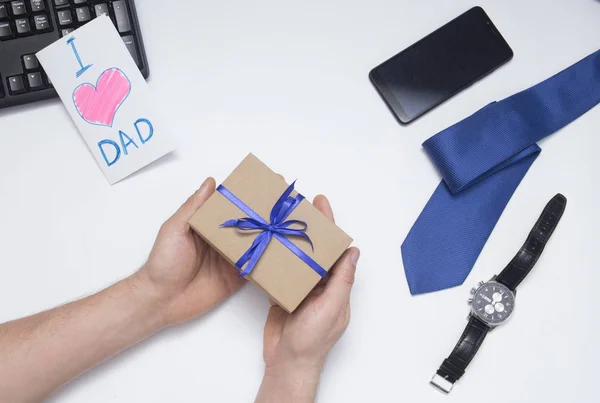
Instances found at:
x=493 y=302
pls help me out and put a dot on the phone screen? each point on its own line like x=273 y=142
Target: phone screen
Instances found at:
x=441 y=65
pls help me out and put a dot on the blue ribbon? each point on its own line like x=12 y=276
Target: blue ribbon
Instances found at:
x=277 y=228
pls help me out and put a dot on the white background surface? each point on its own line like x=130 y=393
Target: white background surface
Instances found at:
x=272 y=77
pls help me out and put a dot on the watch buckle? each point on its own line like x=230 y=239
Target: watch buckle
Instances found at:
x=441 y=384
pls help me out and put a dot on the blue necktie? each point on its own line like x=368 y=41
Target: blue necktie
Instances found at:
x=482 y=160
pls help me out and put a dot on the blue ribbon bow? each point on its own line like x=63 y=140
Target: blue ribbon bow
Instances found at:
x=278 y=228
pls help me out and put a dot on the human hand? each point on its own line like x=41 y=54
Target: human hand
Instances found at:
x=185 y=274
x=296 y=345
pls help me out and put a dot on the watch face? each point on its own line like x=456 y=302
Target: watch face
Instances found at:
x=493 y=303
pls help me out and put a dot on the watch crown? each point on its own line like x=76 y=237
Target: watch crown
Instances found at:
x=473 y=291
x=470 y=301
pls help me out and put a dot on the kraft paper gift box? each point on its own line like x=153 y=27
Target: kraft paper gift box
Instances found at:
x=286 y=275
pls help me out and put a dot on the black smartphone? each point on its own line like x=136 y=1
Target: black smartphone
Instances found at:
x=440 y=65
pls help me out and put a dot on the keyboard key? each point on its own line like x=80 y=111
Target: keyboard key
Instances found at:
x=23 y=27
x=6 y=31
x=101 y=9
x=42 y=23
x=37 y=5
x=3 y=10
x=30 y=62
x=18 y=8
x=130 y=44
x=83 y=14
x=67 y=31
x=65 y=17
x=122 y=16
x=35 y=81
x=27 y=25
x=16 y=85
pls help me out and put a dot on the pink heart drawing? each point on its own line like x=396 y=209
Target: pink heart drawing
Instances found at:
x=99 y=104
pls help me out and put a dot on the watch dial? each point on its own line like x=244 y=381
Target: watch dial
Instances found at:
x=493 y=303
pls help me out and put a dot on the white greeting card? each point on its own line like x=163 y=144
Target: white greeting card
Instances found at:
x=107 y=97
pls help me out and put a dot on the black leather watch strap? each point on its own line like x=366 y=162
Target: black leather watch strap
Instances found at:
x=455 y=365
x=523 y=262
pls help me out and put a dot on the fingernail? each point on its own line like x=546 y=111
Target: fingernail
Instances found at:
x=204 y=184
x=354 y=256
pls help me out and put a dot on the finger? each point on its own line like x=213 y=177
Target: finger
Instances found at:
x=320 y=287
x=195 y=201
x=274 y=324
x=322 y=204
x=340 y=284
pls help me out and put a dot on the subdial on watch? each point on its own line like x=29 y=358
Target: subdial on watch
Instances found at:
x=493 y=303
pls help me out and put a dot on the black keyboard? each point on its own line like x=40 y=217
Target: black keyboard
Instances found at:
x=28 y=26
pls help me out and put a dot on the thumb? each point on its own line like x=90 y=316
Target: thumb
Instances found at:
x=195 y=201
x=340 y=284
